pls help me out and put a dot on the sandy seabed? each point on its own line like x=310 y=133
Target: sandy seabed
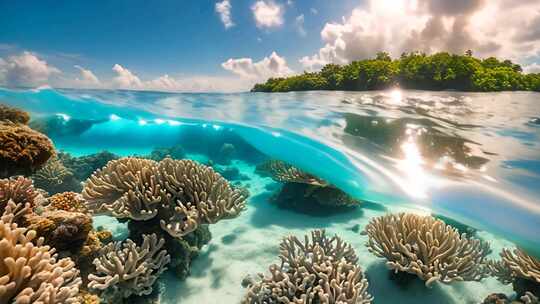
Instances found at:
x=248 y=244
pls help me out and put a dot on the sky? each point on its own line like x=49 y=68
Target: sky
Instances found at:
x=228 y=45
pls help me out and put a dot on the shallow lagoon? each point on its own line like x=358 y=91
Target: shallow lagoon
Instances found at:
x=461 y=155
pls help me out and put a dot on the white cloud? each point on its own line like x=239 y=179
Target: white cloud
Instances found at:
x=271 y=66
x=223 y=8
x=87 y=78
x=125 y=79
x=489 y=28
x=314 y=11
x=299 y=23
x=532 y=68
x=25 y=69
x=267 y=14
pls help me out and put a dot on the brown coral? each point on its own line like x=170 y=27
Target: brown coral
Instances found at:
x=320 y=270
x=67 y=201
x=14 y=115
x=22 y=150
x=29 y=271
x=283 y=172
x=427 y=247
x=61 y=229
x=54 y=177
x=182 y=194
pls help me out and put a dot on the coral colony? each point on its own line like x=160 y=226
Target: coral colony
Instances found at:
x=51 y=253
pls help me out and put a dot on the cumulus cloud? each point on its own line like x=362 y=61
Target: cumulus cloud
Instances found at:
x=488 y=28
x=532 y=68
x=299 y=23
x=124 y=79
x=271 y=66
x=86 y=78
x=25 y=69
x=267 y=14
x=223 y=8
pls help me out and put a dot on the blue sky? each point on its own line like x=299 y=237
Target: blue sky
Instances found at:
x=189 y=41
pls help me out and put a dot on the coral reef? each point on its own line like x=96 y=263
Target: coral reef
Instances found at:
x=225 y=154
x=174 y=152
x=14 y=115
x=427 y=247
x=183 y=194
x=183 y=250
x=21 y=191
x=54 y=177
x=29 y=270
x=67 y=201
x=519 y=269
x=125 y=269
x=500 y=298
x=22 y=150
x=300 y=186
x=320 y=270
x=83 y=167
x=63 y=230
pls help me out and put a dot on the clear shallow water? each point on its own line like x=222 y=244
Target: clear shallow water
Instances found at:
x=474 y=157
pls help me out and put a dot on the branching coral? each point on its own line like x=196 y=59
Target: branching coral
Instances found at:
x=54 y=177
x=83 y=166
x=14 y=115
x=20 y=191
x=283 y=172
x=519 y=269
x=22 y=150
x=125 y=269
x=29 y=271
x=182 y=193
x=320 y=270
x=426 y=247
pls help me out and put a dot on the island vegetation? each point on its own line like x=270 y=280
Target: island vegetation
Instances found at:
x=439 y=71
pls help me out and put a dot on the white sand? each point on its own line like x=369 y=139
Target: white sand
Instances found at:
x=249 y=244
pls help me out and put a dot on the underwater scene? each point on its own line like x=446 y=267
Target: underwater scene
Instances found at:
x=390 y=196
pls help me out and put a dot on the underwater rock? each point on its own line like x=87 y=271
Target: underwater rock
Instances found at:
x=14 y=115
x=63 y=230
x=124 y=269
x=182 y=194
x=182 y=250
x=22 y=150
x=232 y=174
x=54 y=177
x=174 y=152
x=225 y=154
x=427 y=247
x=83 y=167
x=317 y=270
x=30 y=270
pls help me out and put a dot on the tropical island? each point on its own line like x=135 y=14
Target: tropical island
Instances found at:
x=439 y=71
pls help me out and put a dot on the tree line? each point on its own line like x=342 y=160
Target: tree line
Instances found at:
x=439 y=71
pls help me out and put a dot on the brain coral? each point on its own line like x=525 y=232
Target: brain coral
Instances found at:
x=22 y=150
x=320 y=270
x=427 y=247
x=29 y=271
x=14 y=115
x=182 y=194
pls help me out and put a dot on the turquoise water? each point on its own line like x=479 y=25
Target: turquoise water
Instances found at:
x=472 y=157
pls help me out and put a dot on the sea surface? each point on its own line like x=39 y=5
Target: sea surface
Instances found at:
x=470 y=157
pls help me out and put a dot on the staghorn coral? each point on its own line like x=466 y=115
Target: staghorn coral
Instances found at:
x=125 y=269
x=19 y=190
x=182 y=194
x=519 y=269
x=13 y=115
x=426 y=247
x=320 y=270
x=22 y=150
x=67 y=201
x=54 y=177
x=29 y=271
